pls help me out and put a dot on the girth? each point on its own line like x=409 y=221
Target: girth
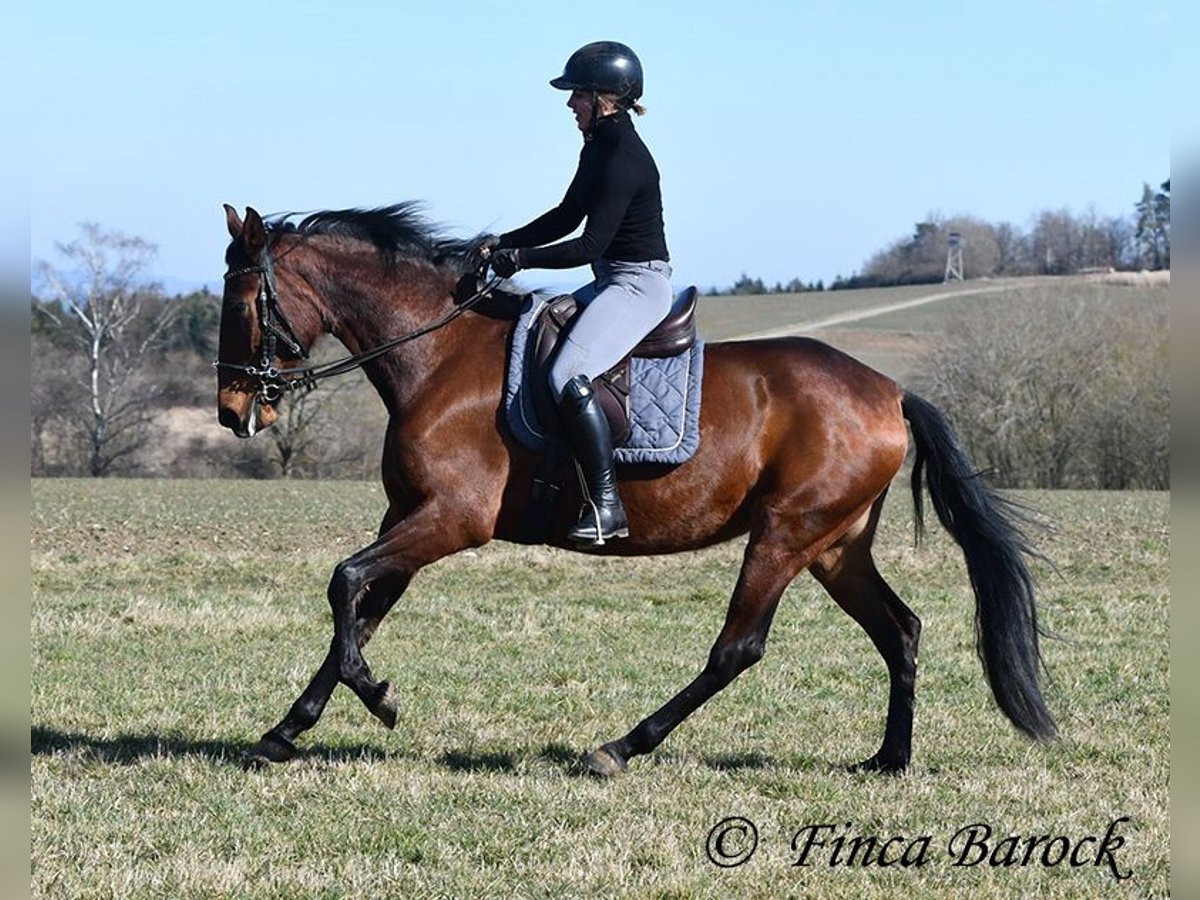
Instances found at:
x=675 y=334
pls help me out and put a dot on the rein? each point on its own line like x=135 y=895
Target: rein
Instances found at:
x=274 y=382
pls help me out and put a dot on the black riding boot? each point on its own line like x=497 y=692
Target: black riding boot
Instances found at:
x=603 y=516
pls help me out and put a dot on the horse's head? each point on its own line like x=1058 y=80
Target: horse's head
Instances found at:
x=256 y=339
x=362 y=275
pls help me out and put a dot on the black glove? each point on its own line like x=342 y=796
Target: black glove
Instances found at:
x=481 y=252
x=505 y=263
x=485 y=245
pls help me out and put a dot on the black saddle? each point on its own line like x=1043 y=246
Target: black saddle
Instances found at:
x=675 y=334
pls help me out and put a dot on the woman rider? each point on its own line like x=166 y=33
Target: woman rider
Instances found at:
x=616 y=190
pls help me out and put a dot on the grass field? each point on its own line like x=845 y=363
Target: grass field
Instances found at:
x=172 y=622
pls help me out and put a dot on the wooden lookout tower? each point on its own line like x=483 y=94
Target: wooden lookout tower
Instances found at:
x=954 y=262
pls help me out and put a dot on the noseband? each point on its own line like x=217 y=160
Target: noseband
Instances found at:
x=273 y=382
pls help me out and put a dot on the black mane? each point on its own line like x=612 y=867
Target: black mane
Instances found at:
x=398 y=232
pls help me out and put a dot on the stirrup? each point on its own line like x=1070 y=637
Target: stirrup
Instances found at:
x=589 y=531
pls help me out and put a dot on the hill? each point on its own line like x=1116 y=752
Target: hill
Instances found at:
x=893 y=329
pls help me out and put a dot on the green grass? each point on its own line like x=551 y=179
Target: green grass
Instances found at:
x=172 y=622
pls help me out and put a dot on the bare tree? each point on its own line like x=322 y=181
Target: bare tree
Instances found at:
x=1012 y=250
x=1055 y=242
x=308 y=438
x=97 y=300
x=1061 y=388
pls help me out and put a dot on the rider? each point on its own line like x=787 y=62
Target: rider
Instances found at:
x=616 y=189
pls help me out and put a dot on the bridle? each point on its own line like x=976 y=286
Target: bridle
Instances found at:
x=274 y=326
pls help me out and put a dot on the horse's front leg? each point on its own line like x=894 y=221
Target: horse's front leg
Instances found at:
x=431 y=532
x=363 y=589
x=279 y=744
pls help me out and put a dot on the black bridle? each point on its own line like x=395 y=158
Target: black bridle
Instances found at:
x=274 y=326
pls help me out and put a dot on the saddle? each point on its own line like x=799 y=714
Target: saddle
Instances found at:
x=675 y=334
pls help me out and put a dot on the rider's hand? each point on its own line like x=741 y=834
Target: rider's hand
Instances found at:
x=485 y=245
x=505 y=263
x=481 y=252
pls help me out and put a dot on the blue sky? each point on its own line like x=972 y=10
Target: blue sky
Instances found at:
x=794 y=138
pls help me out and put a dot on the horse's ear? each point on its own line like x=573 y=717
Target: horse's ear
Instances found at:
x=233 y=221
x=254 y=233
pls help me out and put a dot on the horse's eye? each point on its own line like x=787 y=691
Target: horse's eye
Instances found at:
x=234 y=306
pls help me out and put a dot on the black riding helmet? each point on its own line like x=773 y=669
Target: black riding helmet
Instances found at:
x=604 y=67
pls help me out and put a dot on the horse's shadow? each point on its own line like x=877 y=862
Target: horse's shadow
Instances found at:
x=130 y=749
x=735 y=762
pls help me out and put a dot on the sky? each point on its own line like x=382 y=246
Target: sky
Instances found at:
x=794 y=139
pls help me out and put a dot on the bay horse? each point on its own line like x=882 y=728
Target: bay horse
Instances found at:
x=799 y=443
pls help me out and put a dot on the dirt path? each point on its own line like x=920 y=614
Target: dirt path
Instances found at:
x=858 y=315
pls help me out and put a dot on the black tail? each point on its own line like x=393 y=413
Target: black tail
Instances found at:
x=984 y=525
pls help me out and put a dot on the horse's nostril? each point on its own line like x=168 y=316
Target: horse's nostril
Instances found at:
x=228 y=418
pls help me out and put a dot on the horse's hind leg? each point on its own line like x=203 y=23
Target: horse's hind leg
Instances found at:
x=847 y=571
x=769 y=566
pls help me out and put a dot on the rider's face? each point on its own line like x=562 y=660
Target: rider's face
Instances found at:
x=580 y=103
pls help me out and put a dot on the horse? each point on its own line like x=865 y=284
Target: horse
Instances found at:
x=799 y=444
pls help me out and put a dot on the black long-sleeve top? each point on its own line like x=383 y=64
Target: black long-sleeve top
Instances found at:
x=616 y=188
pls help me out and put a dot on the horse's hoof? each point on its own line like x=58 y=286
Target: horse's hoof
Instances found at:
x=383 y=707
x=606 y=762
x=879 y=765
x=271 y=748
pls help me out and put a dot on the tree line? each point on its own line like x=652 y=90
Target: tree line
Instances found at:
x=1057 y=242
x=746 y=286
